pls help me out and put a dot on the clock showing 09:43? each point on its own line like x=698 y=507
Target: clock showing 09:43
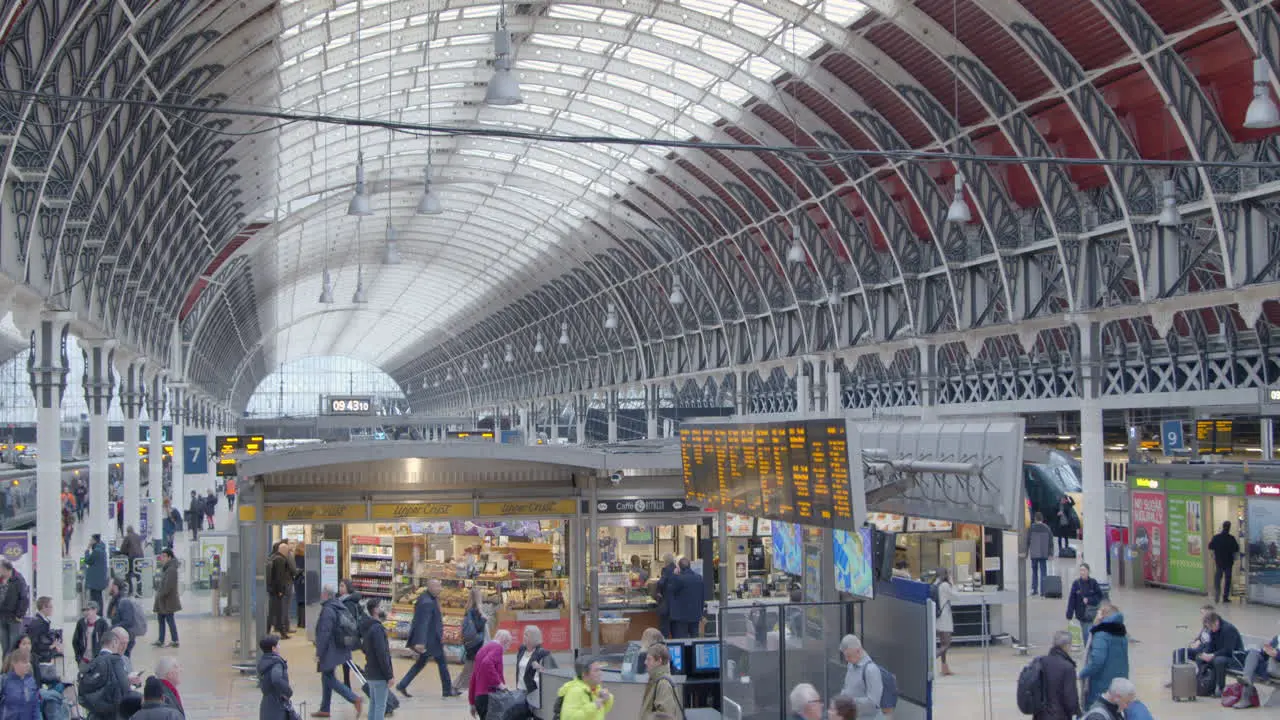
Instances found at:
x=350 y=405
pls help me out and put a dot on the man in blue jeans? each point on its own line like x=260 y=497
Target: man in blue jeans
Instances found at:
x=426 y=638
x=1039 y=549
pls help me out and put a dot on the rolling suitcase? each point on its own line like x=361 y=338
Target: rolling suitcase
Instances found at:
x=1183 y=685
x=393 y=702
x=1051 y=586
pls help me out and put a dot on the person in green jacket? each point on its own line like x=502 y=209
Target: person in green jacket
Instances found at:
x=583 y=698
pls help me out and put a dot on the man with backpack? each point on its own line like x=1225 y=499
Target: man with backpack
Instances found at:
x=103 y=683
x=1047 y=688
x=872 y=688
x=336 y=636
x=124 y=612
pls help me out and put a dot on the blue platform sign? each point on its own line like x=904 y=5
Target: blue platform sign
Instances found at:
x=195 y=454
x=1171 y=439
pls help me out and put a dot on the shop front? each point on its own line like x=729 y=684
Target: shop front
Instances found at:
x=1262 y=552
x=1175 y=512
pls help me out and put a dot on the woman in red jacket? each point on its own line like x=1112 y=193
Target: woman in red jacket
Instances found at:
x=487 y=675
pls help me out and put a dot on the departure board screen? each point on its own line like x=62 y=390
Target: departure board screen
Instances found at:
x=793 y=471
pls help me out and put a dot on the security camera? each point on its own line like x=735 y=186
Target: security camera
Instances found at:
x=615 y=479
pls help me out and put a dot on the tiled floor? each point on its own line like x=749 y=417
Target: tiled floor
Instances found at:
x=983 y=686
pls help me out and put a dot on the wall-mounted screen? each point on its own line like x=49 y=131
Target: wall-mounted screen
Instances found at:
x=706 y=657
x=788 y=548
x=853 y=561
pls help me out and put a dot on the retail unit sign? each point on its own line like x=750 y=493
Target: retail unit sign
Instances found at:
x=1148 y=483
x=528 y=507
x=406 y=511
x=1264 y=490
x=638 y=506
x=310 y=513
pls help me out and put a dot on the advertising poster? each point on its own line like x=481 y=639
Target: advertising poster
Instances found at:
x=788 y=550
x=1149 y=531
x=328 y=564
x=1264 y=551
x=1186 y=541
x=853 y=561
x=15 y=545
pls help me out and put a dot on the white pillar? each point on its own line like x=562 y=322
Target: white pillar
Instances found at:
x=803 y=394
x=49 y=369
x=99 y=389
x=1092 y=468
x=157 y=396
x=178 y=417
x=131 y=402
x=612 y=411
x=553 y=406
x=652 y=400
x=835 y=398
x=580 y=416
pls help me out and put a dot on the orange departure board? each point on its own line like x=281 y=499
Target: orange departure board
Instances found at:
x=794 y=471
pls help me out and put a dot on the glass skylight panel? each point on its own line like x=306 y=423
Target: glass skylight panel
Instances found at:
x=722 y=50
x=754 y=20
x=645 y=58
x=730 y=93
x=693 y=75
x=799 y=41
x=714 y=8
x=762 y=68
x=554 y=41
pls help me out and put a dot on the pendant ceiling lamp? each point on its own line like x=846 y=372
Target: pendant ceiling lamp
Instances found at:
x=1170 y=216
x=564 y=333
x=510 y=356
x=611 y=317
x=1262 y=113
x=538 y=347
x=504 y=88
x=391 y=251
x=795 y=253
x=326 y=288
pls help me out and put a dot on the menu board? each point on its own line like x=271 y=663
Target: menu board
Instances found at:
x=796 y=471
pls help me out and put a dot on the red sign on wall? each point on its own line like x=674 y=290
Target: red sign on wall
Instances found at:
x=553 y=624
x=1263 y=490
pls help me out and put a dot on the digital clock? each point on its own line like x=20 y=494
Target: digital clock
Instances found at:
x=349 y=406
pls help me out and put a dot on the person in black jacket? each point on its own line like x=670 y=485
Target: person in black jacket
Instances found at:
x=44 y=646
x=426 y=638
x=273 y=679
x=1225 y=548
x=88 y=635
x=662 y=589
x=473 y=625
x=278 y=582
x=15 y=599
x=688 y=601
x=1224 y=649
x=1062 y=696
x=378 y=671
x=531 y=658
x=1084 y=600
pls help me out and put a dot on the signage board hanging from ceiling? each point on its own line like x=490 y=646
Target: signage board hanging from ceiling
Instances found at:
x=639 y=506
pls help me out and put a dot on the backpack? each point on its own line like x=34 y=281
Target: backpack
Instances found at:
x=937 y=606
x=53 y=706
x=888 y=686
x=177 y=520
x=139 y=625
x=470 y=633
x=1032 y=697
x=96 y=686
x=555 y=711
x=345 y=633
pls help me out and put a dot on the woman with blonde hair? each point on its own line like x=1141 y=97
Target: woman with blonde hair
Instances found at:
x=473 y=625
x=530 y=659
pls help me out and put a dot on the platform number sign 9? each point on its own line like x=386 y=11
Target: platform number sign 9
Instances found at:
x=195 y=455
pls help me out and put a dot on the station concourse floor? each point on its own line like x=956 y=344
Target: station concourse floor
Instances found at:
x=213 y=690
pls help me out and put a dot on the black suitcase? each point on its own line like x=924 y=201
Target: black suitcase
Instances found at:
x=1067 y=552
x=1051 y=586
x=393 y=702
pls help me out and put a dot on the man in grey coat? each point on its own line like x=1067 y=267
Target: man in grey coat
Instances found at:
x=1039 y=549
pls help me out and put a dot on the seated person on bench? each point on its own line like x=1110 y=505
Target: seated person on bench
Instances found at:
x=1255 y=669
x=1224 y=650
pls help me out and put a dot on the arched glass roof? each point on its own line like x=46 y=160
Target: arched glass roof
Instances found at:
x=516 y=213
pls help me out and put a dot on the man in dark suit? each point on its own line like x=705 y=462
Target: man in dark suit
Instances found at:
x=663 y=590
x=688 y=600
x=426 y=638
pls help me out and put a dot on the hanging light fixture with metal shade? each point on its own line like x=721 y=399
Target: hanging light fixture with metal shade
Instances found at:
x=1170 y=216
x=795 y=253
x=564 y=333
x=326 y=288
x=611 y=317
x=958 y=212
x=504 y=88
x=510 y=356
x=538 y=347
x=1262 y=113
x=485 y=365
x=359 y=205
x=359 y=297
x=677 y=291
x=428 y=202
x=448 y=375
x=391 y=251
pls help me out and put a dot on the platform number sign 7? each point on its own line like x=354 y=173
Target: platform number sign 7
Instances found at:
x=195 y=455
x=196 y=450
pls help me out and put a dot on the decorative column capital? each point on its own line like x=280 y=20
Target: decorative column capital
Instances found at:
x=132 y=390
x=47 y=362
x=99 y=379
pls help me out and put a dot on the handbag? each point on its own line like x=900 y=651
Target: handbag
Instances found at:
x=290 y=712
x=1090 y=613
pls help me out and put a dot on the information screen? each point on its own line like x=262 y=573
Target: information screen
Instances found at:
x=1215 y=437
x=344 y=405
x=795 y=471
x=706 y=657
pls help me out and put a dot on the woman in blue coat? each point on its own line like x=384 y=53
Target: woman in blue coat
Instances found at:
x=19 y=694
x=1107 y=657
